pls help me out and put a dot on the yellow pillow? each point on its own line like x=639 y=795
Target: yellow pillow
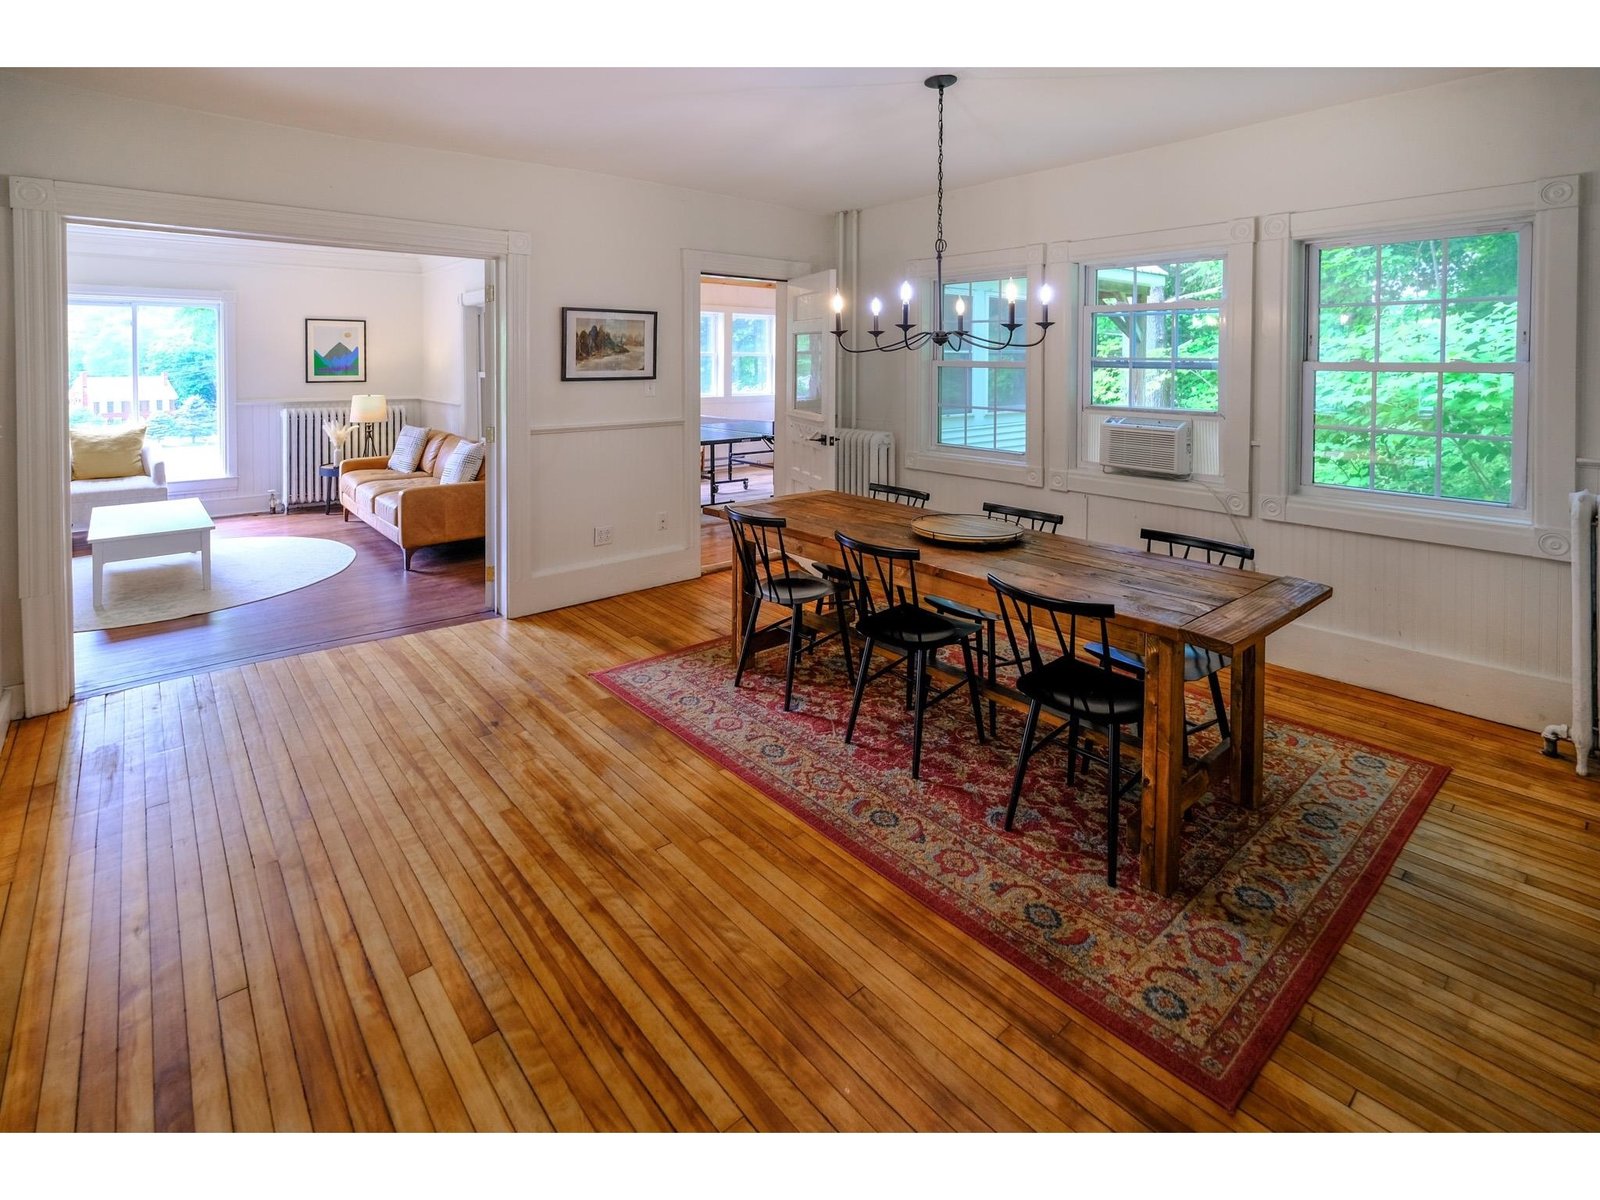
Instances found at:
x=107 y=453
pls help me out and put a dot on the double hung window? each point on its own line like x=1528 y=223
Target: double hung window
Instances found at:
x=1155 y=329
x=1416 y=373
x=982 y=394
x=736 y=353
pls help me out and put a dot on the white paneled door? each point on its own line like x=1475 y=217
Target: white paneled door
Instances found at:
x=807 y=413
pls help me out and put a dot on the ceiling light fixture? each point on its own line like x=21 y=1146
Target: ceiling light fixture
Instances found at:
x=959 y=338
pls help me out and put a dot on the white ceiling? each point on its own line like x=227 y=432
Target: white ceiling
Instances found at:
x=816 y=139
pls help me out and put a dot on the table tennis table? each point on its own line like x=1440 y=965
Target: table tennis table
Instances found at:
x=730 y=433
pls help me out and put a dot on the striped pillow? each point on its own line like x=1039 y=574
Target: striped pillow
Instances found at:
x=408 y=448
x=463 y=463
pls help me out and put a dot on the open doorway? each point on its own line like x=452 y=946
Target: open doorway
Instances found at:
x=738 y=337
x=209 y=347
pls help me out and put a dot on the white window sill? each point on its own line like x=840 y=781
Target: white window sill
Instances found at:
x=1498 y=531
x=1209 y=495
x=1001 y=468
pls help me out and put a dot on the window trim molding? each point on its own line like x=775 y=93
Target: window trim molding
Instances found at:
x=1541 y=528
x=924 y=453
x=225 y=302
x=1234 y=241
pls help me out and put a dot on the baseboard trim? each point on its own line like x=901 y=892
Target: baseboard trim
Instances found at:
x=10 y=702
x=1516 y=698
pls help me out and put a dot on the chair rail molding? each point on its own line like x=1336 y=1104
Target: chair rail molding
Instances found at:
x=41 y=210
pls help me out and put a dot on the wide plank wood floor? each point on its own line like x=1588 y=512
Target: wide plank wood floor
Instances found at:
x=447 y=882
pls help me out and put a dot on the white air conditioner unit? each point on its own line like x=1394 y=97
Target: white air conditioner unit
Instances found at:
x=1146 y=446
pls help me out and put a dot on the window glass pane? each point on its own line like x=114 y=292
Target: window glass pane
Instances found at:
x=752 y=334
x=1408 y=400
x=807 y=361
x=1109 y=385
x=1473 y=469
x=1483 y=266
x=1409 y=333
x=1348 y=275
x=177 y=386
x=1152 y=334
x=983 y=408
x=1195 y=390
x=99 y=363
x=752 y=375
x=1151 y=389
x=1343 y=398
x=1481 y=331
x=1341 y=458
x=708 y=375
x=1110 y=336
x=1479 y=404
x=1410 y=270
x=1347 y=335
x=986 y=315
x=1113 y=285
x=1404 y=463
x=710 y=328
x=1200 y=280
x=1199 y=333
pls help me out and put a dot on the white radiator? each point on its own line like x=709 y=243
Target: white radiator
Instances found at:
x=863 y=456
x=1584 y=682
x=306 y=446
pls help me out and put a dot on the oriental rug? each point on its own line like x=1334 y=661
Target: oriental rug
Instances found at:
x=1205 y=982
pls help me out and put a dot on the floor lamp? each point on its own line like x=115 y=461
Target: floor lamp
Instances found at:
x=367 y=410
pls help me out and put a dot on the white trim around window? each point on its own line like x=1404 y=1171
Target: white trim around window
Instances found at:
x=1539 y=527
x=1071 y=469
x=925 y=453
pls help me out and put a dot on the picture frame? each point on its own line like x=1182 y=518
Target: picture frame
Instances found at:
x=607 y=343
x=336 y=350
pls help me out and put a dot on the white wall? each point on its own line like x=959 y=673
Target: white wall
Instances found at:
x=274 y=289
x=596 y=241
x=444 y=359
x=1466 y=630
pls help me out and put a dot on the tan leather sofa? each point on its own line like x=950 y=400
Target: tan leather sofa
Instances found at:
x=414 y=509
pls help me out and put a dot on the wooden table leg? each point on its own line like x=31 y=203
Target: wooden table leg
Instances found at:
x=1162 y=809
x=1248 y=700
x=741 y=601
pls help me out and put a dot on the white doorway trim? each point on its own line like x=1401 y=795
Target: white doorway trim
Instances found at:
x=41 y=210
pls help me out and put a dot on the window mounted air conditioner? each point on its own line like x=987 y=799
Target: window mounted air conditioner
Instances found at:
x=1146 y=446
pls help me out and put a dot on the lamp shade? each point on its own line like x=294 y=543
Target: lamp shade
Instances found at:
x=369 y=408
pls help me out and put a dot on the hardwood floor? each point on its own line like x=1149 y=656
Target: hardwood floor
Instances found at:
x=371 y=598
x=451 y=883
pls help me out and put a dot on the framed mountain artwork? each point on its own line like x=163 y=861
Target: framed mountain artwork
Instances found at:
x=336 y=350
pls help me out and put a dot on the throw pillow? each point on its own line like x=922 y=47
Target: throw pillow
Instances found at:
x=408 y=448
x=463 y=464
x=107 y=453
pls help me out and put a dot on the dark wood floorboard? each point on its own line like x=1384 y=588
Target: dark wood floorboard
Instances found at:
x=371 y=598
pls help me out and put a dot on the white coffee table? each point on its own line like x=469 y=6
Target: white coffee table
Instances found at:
x=120 y=532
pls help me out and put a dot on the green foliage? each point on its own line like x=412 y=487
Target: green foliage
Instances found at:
x=1427 y=431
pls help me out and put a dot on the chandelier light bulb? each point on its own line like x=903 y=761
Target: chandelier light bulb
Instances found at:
x=905 y=292
x=838 y=303
x=1045 y=294
x=877 y=306
x=961 y=307
x=1011 y=292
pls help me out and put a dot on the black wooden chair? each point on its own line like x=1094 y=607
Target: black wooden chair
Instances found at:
x=990 y=656
x=915 y=497
x=1198 y=662
x=1078 y=691
x=770 y=576
x=889 y=613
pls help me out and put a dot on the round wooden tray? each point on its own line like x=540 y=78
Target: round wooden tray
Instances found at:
x=966 y=529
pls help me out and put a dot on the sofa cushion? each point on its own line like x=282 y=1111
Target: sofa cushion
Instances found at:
x=463 y=463
x=107 y=453
x=408 y=448
x=439 y=445
x=361 y=493
x=386 y=503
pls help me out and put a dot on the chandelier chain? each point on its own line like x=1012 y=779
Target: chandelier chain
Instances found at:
x=939 y=243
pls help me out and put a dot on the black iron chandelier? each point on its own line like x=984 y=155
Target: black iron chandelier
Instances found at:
x=959 y=338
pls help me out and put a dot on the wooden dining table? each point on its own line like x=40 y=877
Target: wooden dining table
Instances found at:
x=1162 y=603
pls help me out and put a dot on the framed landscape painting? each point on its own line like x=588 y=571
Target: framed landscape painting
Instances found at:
x=608 y=343
x=336 y=350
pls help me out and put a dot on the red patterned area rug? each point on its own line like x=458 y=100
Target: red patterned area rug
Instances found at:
x=1205 y=982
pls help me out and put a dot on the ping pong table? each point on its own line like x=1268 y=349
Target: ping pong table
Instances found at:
x=730 y=433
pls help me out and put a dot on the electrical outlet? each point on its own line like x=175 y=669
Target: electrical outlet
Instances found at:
x=661 y=522
x=602 y=535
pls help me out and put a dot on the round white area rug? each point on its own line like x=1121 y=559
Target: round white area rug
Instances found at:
x=243 y=570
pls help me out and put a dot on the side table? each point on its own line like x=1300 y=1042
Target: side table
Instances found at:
x=330 y=472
